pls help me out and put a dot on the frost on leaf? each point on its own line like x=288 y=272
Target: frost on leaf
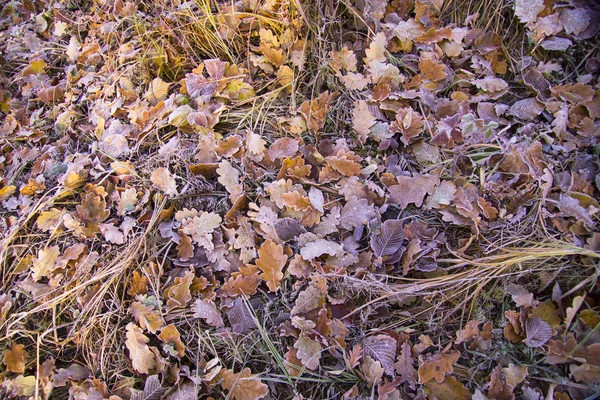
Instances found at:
x=390 y=238
x=141 y=356
x=45 y=262
x=528 y=10
x=412 y=189
x=240 y=317
x=243 y=385
x=164 y=180
x=271 y=261
x=208 y=311
x=309 y=351
x=538 y=332
x=319 y=247
x=356 y=212
x=383 y=349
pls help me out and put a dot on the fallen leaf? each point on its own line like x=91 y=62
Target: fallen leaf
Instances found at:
x=141 y=356
x=383 y=349
x=309 y=351
x=437 y=366
x=164 y=180
x=243 y=385
x=372 y=371
x=538 y=332
x=15 y=358
x=208 y=311
x=271 y=261
x=390 y=238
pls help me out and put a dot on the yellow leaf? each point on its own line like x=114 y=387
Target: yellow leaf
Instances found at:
x=15 y=358
x=44 y=263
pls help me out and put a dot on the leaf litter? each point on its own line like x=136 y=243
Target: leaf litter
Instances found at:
x=391 y=197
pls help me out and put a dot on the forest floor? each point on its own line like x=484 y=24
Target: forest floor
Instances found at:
x=284 y=199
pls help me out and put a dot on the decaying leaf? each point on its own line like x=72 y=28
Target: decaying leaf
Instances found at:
x=207 y=310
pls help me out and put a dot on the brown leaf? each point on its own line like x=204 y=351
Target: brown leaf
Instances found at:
x=383 y=349
x=173 y=344
x=356 y=212
x=390 y=238
x=526 y=109
x=138 y=284
x=315 y=111
x=538 y=332
x=240 y=317
x=141 y=356
x=146 y=317
x=362 y=120
x=405 y=364
x=271 y=261
x=372 y=371
x=432 y=70
x=412 y=189
x=574 y=93
x=282 y=148
x=243 y=385
x=164 y=180
x=15 y=358
x=178 y=294
x=309 y=351
x=207 y=310
x=45 y=262
x=450 y=389
x=437 y=366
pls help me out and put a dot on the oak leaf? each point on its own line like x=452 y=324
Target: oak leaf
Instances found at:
x=44 y=263
x=164 y=180
x=436 y=366
x=362 y=120
x=309 y=351
x=173 y=344
x=15 y=358
x=372 y=371
x=412 y=189
x=142 y=357
x=243 y=385
x=271 y=261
